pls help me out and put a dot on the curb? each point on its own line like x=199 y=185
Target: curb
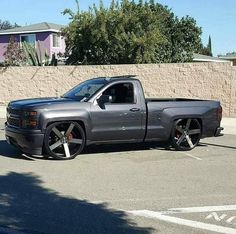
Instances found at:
x=3 y=112
x=229 y=125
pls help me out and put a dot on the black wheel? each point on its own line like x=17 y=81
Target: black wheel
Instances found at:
x=186 y=134
x=64 y=140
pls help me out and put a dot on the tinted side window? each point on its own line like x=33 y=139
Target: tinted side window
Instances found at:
x=121 y=93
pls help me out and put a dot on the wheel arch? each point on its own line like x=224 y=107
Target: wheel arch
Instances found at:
x=189 y=117
x=182 y=118
x=170 y=115
x=80 y=122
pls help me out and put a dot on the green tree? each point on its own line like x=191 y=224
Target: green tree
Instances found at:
x=130 y=32
x=207 y=50
x=231 y=53
x=14 y=55
x=209 y=46
x=183 y=39
x=7 y=25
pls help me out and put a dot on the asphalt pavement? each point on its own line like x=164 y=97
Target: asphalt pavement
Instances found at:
x=133 y=188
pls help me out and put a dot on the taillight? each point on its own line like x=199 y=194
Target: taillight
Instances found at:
x=219 y=111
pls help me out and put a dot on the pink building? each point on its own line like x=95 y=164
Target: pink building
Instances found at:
x=48 y=35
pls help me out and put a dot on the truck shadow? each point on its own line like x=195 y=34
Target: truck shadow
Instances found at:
x=126 y=147
x=9 y=151
x=27 y=206
x=217 y=145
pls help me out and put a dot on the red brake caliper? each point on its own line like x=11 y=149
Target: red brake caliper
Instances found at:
x=70 y=137
x=177 y=134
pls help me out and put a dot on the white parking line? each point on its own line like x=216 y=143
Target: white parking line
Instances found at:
x=185 y=222
x=201 y=209
x=191 y=156
x=164 y=216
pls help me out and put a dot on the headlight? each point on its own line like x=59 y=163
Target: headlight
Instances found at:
x=29 y=119
x=30 y=113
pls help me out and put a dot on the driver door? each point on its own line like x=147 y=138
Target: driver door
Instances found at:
x=119 y=120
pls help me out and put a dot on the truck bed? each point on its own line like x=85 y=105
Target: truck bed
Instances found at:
x=162 y=111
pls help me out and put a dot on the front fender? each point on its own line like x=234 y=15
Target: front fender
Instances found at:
x=51 y=116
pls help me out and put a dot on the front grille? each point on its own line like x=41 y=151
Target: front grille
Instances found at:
x=13 y=117
x=13 y=122
x=14 y=111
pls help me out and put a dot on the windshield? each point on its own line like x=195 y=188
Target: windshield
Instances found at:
x=85 y=90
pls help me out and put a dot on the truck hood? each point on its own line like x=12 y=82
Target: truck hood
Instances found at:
x=39 y=102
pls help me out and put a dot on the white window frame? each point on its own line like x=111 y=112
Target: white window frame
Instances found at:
x=59 y=40
x=31 y=34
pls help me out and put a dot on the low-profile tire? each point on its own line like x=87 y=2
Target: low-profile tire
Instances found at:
x=64 y=140
x=186 y=134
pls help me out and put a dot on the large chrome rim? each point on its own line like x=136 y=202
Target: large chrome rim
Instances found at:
x=187 y=134
x=65 y=140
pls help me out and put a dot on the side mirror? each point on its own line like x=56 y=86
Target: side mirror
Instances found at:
x=104 y=99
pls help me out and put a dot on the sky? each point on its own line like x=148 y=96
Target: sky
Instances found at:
x=216 y=17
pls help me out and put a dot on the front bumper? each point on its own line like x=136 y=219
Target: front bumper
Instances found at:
x=28 y=141
x=218 y=132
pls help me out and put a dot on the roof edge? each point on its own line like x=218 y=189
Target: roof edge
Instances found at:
x=30 y=31
x=210 y=60
x=226 y=58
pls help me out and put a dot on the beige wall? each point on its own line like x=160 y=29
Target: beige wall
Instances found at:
x=196 y=80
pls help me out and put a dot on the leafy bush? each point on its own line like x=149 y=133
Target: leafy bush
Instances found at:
x=130 y=32
x=14 y=55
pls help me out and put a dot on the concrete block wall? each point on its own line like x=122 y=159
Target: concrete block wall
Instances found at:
x=215 y=81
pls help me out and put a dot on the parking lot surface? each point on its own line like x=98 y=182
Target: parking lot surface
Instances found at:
x=138 y=188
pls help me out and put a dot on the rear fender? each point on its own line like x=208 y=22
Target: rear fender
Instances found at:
x=169 y=116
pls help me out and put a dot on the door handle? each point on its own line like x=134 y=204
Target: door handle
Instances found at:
x=135 y=109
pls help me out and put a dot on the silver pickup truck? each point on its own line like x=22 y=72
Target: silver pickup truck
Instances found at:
x=108 y=110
